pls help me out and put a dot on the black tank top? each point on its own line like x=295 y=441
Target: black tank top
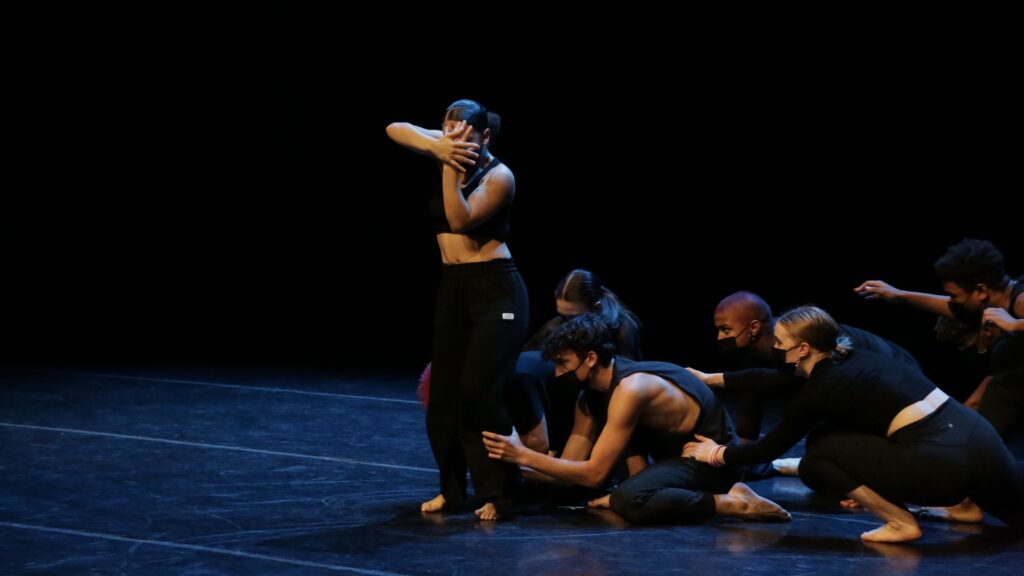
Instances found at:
x=497 y=227
x=713 y=421
x=1008 y=349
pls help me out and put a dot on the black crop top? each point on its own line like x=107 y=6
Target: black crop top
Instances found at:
x=497 y=227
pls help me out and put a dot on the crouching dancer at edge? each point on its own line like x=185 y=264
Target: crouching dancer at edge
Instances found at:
x=883 y=434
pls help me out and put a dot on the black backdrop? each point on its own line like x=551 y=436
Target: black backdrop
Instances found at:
x=197 y=186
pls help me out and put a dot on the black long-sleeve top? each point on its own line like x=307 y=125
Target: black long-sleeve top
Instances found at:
x=765 y=378
x=864 y=392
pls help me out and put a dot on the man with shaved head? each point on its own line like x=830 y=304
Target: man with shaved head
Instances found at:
x=745 y=326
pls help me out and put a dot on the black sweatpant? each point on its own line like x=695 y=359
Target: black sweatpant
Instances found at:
x=675 y=489
x=950 y=455
x=480 y=324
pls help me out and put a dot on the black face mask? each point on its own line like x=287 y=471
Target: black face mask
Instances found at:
x=730 y=353
x=570 y=380
x=734 y=356
x=728 y=345
x=968 y=317
x=779 y=361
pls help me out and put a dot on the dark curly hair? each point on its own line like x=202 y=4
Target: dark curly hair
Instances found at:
x=582 y=334
x=971 y=262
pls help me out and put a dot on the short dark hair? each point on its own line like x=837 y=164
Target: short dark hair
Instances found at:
x=584 y=333
x=971 y=262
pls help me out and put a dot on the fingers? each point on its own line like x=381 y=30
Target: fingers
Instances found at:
x=457 y=131
x=495 y=442
x=699 y=437
x=870 y=286
x=466 y=155
x=495 y=447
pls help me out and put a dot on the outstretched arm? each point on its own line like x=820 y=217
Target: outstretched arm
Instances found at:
x=712 y=379
x=800 y=416
x=623 y=412
x=577 y=447
x=876 y=289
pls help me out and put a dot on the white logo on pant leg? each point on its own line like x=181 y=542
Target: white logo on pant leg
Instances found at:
x=508 y=316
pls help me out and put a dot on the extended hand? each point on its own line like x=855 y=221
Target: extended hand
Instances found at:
x=997 y=317
x=453 y=150
x=875 y=289
x=700 y=450
x=505 y=448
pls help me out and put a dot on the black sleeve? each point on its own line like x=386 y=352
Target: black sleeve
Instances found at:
x=802 y=414
x=756 y=380
x=536 y=342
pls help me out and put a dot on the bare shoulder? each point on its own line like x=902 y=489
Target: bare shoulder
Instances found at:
x=498 y=184
x=501 y=175
x=638 y=385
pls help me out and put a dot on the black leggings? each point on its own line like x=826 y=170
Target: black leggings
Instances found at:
x=480 y=323
x=938 y=461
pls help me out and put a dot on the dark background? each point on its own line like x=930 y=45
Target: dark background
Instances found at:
x=218 y=186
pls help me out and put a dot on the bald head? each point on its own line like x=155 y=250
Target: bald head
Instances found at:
x=744 y=307
x=740 y=318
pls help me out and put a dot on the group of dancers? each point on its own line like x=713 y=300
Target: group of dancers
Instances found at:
x=578 y=404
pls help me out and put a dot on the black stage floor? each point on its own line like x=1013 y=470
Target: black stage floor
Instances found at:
x=202 y=472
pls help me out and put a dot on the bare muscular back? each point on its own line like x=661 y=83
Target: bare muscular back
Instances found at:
x=662 y=405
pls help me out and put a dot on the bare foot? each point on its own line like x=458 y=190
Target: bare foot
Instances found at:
x=602 y=502
x=893 y=531
x=902 y=559
x=744 y=503
x=966 y=511
x=611 y=518
x=487 y=512
x=849 y=504
x=435 y=504
x=787 y=466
